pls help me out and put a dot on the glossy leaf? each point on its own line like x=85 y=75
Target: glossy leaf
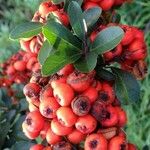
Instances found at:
x=76 y=19
x=26 y=30
x=107 y=39
x=92 y=15
x=44 y=52
x=126 y=86
x=105 y=74
x=86 y=63
x=57 y=61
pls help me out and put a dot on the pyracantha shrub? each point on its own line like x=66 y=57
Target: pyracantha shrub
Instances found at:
x=89 y=64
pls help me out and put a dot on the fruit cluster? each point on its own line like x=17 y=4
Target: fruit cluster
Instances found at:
x=70 y=107
x=18 y=68
x=105 y=5
x=130 y=53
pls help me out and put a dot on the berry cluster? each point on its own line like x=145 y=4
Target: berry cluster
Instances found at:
x=18 y=68
x=70 y=107
x=105 y=5
x=131 y=51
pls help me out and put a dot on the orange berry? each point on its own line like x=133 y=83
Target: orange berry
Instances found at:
x=37 y=147
x=20 y=65
x=44 y=130
x=64 y=94
x=65 y=71
x=48 y=107
x=86 y=124
x=59 y=129
x=95 y=142
x=76 y=136
x=66 y=116
x=52 y=138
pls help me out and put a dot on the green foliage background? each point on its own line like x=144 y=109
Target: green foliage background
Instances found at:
x=136 y=13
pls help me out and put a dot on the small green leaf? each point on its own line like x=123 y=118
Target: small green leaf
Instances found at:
x=26 y=30
x=92 y=15
x=126 y=86
x=76 y=19
x=44 y=52
x=57 y=61
x=105 y=74
x=57 y=1
x=86 y=63
x=60 y=37
x=107 y=39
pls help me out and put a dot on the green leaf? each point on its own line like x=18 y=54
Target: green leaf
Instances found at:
x=86 y=63
x=23 y=145
x=126 y=86
x=76 y=19
x=44 y=52
x=57 y=1
x=60 y=37
x=26 y=30
x=105 y=74
x=92 y=15
x=58 y=60
x=107 y=39
x=4 y=129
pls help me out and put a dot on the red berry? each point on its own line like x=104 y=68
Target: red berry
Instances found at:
x=95 y=142
x=106 y=5
x=20 y=65
x=37 y=147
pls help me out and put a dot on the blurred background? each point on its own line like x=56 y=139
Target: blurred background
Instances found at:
x=136 y=13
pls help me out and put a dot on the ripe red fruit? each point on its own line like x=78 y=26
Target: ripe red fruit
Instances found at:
x=60 y=91
x=31 y=62
x=37 y=147
x=63 y=145
x=86 y=124
x=34 y=121
x=47 y=148
x=91 y=93
x=65 y=71
x=76 y=137
x=106 y=5
x=52 y=138
x=28 y=134
x=122 y=117
x=66 y=116
x=46 y=92
x=10 y=70
x=107 y=94
x=117 y=143
x=48 y=107
x=46 y=7
x=128 y=36
x=59 y=129
x=95 y=142
x=31 y=91
x=44 y=130
x=88 y=5
x=20 y=65
x=80 y=81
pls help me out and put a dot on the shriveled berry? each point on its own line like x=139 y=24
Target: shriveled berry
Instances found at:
x=81 y=105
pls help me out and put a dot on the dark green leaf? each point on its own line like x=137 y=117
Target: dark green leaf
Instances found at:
x=67 y=2
x=23 y=105
x=57 y=1
x=126 y=86
x=92 y=15
x=86 y=63
x=60 y=37
x=76 y=19
x=23 y=145
x=44 y=52
x=26 y=30
x=57 y=61
x=107 y=39
x=4 y=129
x=105 y=74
